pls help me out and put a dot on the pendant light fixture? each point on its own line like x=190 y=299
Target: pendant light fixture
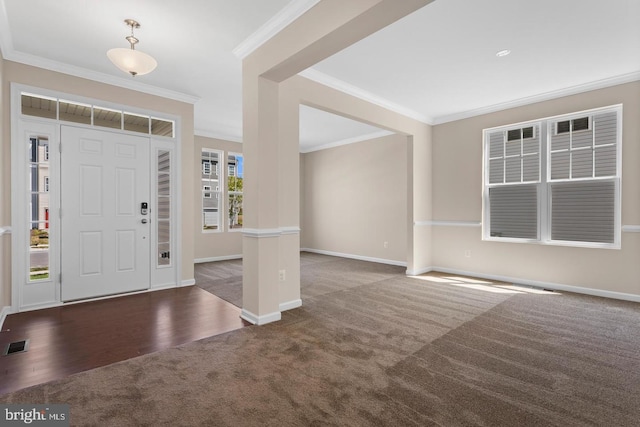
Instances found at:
x=132 y=61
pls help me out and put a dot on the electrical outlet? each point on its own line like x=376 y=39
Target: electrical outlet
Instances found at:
x=467 y=253
x=386 y=244
x=283 y=275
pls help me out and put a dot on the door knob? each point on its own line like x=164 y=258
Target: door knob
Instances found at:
x=144 y=220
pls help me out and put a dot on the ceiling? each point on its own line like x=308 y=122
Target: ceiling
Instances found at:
x=436 y=65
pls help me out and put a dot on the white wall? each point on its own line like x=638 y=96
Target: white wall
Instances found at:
x=355 y=199
x=457 y=196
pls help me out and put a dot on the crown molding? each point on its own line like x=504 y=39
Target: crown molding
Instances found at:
x=273 y=26
x=217 y=134
x=342 y=86
x=346 y=141
x=547 y=96
x=84 y=73
x=6 y=42
x=9 y=54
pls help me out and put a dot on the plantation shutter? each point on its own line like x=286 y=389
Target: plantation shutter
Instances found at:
x=571 y=194
x=583 y=211
x=605 y=144
x=496 y=158
x=514 y=171
x=513 y=211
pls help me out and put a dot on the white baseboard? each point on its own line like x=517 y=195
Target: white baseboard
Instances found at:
x=358 y=257
x=163 y=286
x=260 y=320
x=289 y=305
x=42 y=306
x=6 y=310
x=217 y=258
x=538 y=284
x=420 y=271
x=188 y=282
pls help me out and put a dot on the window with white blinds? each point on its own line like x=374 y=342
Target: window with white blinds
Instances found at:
x=555 y=180
x=513 y=174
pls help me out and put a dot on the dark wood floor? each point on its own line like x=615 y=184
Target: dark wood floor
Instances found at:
x=78 y=337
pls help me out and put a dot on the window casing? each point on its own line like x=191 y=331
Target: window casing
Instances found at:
x=555 y=180
x=235 y=169
x=210 y=185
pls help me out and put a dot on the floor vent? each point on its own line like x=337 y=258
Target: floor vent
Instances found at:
x=16 y=347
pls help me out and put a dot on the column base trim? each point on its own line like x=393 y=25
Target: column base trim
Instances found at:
x=260 y=320
x=290 y=305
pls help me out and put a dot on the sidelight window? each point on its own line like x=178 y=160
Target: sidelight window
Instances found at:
x=210 y=184
x=39 y=209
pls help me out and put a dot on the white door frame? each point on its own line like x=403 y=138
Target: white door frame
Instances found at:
x=27 y=295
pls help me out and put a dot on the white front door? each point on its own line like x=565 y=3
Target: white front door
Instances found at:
x=105 y=236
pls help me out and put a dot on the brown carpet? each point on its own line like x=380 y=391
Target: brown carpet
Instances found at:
x=372 y=347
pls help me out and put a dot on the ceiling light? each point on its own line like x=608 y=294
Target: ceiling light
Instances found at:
x=132 y=61
x=502 y=53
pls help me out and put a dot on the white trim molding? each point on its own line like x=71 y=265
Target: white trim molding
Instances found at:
x=536 y=284
x=353 y=140
x=217 y=258
x=419 y=271
x=631 y=228
x=349 y=89
x=357 y=257
x=187 y=282
x=259 y=233
x=72 y=70
x=448 y=223
x=6 y=41
x=289 y=230
x=273 y=26
x=6 y=310
x=260 y=320
x=5 y=230
x=223 y=131
x=290 y=305
x=586 y=87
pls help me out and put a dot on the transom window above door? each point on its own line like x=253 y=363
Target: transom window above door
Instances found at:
x=88 y=114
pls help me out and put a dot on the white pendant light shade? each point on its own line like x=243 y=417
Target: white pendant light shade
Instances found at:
x=132 y=61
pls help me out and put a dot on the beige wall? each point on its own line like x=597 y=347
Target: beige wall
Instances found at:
x=355 y=199
x=213 y=244
x=37 y=77
x=417 y=164
x=457 y=196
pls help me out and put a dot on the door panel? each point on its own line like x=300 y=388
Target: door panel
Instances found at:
x=105 y=244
